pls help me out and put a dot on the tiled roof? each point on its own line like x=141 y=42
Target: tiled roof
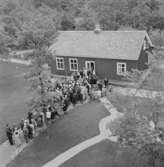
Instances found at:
x=106 y=44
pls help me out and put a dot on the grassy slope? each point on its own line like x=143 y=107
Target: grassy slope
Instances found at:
x=126 y=103
x=143 y=106
x=71 y=129
x=106 y=154
x=13 y=95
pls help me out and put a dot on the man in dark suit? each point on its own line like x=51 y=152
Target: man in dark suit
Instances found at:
x=9 y=134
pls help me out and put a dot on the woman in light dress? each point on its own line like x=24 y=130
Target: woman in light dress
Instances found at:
x=16 y=137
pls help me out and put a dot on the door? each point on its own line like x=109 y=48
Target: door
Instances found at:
x=90 y=65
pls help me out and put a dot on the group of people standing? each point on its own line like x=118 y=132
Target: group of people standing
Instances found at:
x=66 y=92
x=24 y=131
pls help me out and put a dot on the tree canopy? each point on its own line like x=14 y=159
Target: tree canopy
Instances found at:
x=25 y=21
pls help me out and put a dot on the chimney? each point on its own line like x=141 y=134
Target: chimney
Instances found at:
x=97 y=29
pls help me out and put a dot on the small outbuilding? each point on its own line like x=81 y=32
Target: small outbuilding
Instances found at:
x=109 y=53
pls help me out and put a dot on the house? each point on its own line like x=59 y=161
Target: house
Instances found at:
x=109 y=53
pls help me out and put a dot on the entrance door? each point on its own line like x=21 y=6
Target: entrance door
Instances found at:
x=90 y=65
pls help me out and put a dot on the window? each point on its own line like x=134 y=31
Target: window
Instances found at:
x=73 y=64
x=60 y=63
x=121 y=68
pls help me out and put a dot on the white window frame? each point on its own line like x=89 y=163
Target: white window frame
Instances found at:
x=70 y=64
x=119 y=72
x=57 y=67
x=90 y=63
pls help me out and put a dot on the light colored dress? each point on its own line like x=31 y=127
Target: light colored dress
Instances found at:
x=21 y=135
x=84 y=92
x=33 y=129
x=16 y=137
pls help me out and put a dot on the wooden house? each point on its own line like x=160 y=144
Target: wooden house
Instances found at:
x=109 y=53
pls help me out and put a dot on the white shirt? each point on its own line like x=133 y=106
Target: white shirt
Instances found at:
x=48 y=114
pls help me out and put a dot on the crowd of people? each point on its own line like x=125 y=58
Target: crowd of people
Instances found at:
x=25 y=130
x=64 y=93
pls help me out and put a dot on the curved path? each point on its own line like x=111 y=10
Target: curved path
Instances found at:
x=105 y=133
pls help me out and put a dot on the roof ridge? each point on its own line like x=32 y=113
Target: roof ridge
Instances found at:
x=123 y=45
x=102 y=31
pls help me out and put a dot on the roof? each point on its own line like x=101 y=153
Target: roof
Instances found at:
x=125 y=45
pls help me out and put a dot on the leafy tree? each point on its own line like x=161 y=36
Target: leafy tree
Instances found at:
x=37 y=30
x=135 y=131
x=86 y=23
x=159 y=24
x=113 y=14
x=67 y=22
x=5 y=42
x=39 y=80
x=26 y=25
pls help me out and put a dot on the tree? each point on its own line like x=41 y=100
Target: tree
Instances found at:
x=5 y=42
x=86 y=23
x=39 y=80
x=67 y=22
x=29 y=26
x=38 y=29
x=135 y=131
x=115 y=13
x=159 y=24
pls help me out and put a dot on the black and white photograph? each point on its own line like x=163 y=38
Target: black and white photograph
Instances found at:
x=81 y=83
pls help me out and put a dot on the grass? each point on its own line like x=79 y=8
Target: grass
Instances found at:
x=80 y=124
x=144 y=106
x=107 y=154
x=13 y=95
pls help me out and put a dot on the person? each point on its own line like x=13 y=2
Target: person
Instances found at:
x=106 y=82
x=33 y=130
x=84 y=93
x=39 y=121
x=25 y=133
x=155 y=117
x=65 y=103
x=110 y=88
x=53 y=112
x=29 y=116
x=93 y=72
x=88 y=73
x=85 y=73
x=22 y=124
x=16 y=137
x=100 y=86
x=30 y=131
x=34 y=123
x=42 y=118
x=26 y=122
x=21 y=136
x=9 y=134
x=48 y=116
x=81 y=73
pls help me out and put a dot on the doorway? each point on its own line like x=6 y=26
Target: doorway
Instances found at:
x=90 y=65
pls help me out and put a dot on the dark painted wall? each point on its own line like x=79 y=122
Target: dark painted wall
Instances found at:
x=143 y=60
x=104 y=67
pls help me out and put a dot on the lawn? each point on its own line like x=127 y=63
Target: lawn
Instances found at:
x=13 y=95
x=144 y=106
x=78 y=125
x=107 y=154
